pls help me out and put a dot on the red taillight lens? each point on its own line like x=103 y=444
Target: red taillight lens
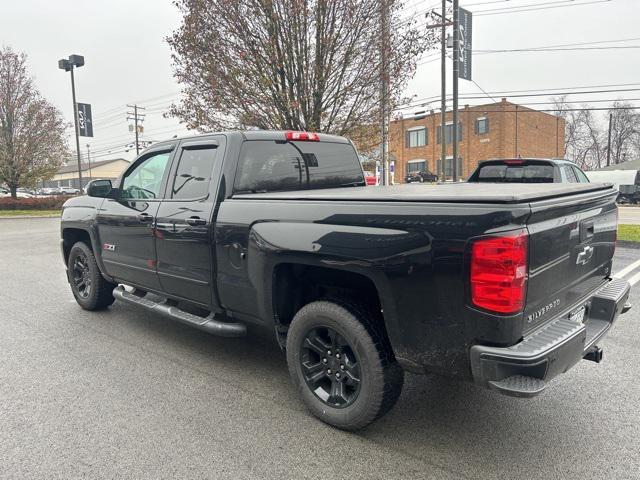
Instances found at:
x=302 y=136
x=499 y=273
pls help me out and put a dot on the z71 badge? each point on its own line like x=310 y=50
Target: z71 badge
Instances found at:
x=109 y=247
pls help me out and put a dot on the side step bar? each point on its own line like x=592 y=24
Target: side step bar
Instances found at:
x=208 y=324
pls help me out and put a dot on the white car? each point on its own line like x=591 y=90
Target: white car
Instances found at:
x=5 y=192
x=69 y=191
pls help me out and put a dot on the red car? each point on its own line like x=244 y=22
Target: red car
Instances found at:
x=370 y=178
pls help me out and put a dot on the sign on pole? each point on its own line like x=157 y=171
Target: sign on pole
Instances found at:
x=85 y=122
x=465 y=27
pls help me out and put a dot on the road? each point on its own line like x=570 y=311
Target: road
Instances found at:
x=125 y=394
x=629 y=215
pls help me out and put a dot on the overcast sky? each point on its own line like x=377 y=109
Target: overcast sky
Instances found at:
x=127 y=59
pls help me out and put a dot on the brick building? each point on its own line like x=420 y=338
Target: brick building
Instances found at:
x=495 y=130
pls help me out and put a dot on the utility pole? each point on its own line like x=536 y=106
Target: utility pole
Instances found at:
x=89 y=160
x=384 y=90
x=443 y=83
x=516 y=154
x=456 y=71
x=609 y=140
x=443 y=91
x=137 y=121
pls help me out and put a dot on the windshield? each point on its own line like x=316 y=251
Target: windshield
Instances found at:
x=269 y=166
x=536 y=173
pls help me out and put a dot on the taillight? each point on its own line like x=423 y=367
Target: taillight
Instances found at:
x=499 y=273
x=302 y=136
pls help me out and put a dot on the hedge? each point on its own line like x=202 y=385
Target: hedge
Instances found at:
x=34 y=203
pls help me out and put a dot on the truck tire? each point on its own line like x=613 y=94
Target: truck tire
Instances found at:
x=342 y=365
x=90 y=289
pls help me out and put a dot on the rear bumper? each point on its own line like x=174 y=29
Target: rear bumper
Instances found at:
x=550 y=350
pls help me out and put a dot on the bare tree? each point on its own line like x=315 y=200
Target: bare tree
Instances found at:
x=585 y=142
x=625 y=130
x=32 y=140
x=280 y=64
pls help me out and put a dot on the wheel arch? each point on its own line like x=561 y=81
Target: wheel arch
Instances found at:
x=71 y=234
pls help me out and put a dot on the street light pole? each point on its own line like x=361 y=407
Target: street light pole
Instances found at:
x=68 y=65
x=75 y=121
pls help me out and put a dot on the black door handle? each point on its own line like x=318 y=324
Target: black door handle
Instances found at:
x=196 y=221
x=145 y=217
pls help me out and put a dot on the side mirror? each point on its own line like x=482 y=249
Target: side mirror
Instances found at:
x=99 y=188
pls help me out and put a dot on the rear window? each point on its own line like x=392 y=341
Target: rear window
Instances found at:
x=516 y=173
x=271 y=166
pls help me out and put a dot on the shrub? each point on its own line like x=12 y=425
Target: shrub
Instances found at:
x=35 y=203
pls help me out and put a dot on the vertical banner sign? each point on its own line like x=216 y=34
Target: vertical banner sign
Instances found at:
x=465 y=20
x=85 y=122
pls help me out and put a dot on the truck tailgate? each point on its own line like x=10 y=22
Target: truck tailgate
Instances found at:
x=571 y=246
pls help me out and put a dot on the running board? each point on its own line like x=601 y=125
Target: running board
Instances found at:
x=208 y=324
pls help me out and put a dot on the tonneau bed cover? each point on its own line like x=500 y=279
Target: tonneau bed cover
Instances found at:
x=448 y=192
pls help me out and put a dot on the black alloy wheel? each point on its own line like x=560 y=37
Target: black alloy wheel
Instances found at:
x=330 y=367
x=90 y=289
x=341 y=362
x=82 y=275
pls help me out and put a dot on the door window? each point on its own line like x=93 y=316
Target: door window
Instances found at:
x=194 y=173
x=145 y=180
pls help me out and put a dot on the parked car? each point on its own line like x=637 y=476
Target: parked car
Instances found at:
x=225 y=232
x=20 y=193
x=68 y=191
x=626 y=181
x=370 y=178
x=420 y=176
x=528 y=170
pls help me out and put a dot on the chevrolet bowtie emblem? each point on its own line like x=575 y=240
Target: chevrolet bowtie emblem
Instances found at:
x=584 y=256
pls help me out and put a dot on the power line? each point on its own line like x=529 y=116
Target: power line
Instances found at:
x=539 y=93
x=480 y=14
x=611 y=47
x=531 y=5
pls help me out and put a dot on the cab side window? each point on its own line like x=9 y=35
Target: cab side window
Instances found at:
x=582 y=178
x=145 y=180
x=194 y=173
x=569 y=174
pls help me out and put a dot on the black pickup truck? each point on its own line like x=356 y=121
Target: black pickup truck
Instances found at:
x=505 y=286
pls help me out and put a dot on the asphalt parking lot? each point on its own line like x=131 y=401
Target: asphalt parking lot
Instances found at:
x=125 y=394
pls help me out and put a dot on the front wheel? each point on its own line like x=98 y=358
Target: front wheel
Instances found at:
x=342 y=365
x=90 y=289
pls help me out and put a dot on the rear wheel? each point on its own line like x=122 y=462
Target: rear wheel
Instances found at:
x=342 y=365
x=90 y=289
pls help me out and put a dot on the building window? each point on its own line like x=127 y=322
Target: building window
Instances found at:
x=416 y=166
x=482 y=125
x=448 y=133
x=416 y=137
